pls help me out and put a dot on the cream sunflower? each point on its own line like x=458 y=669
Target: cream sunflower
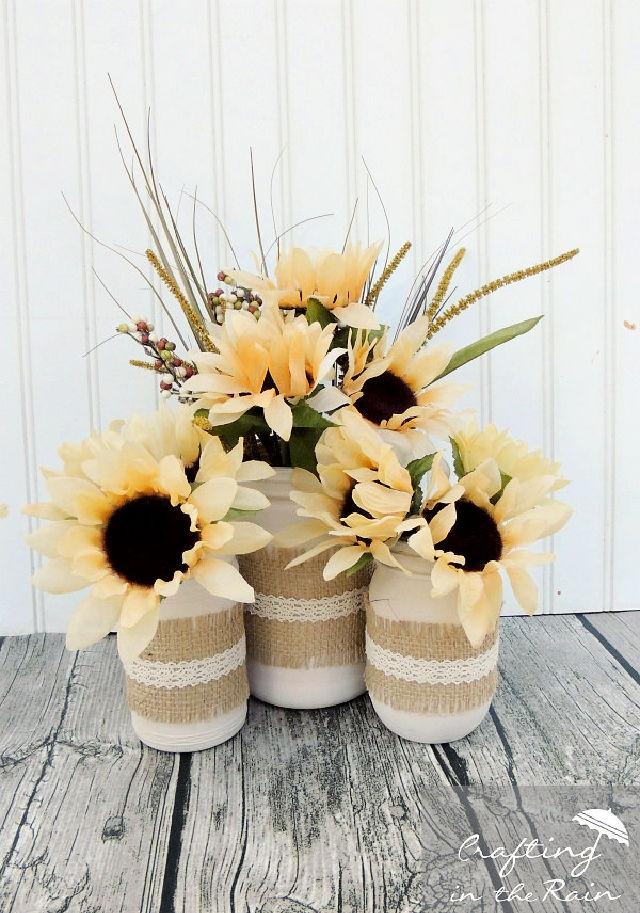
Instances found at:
x=394 y=388
x=358 y=505
x=334 y=279
x=513 y=457
x=268 y=364
x=492 y=529
x=130 y=525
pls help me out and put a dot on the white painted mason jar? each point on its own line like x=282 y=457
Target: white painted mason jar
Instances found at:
x=426 y=682
x=188 y=689
x=305 y=636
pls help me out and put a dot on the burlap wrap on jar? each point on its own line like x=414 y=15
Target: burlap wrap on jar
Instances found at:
x=426 y=682
x=188 y=690
x=305 y=636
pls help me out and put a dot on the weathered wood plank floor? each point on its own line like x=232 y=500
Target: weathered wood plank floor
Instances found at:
x=324 y=810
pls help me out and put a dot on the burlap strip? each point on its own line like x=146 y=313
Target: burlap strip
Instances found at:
x=181 y=640
x=434 y=642
x=302 y=644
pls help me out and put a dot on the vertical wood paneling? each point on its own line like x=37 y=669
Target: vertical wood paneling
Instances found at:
x=111 y=210
x=624 y=361
x=503 y=111
x=385 y=109
x=324 y=104
x=23 y=610
x=576 y=402
x=512 y=171
x=447 y=73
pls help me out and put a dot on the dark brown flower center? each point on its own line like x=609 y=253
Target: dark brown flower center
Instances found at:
x=384 y=396
x=144 y=540
x=474 y=535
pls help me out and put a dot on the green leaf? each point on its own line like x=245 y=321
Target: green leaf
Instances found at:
x=504 y=480
x=458 y=465
x=248 y=423
x=318 y=313
x=304 y=416
x=417 y=469
x=302 y=448
x=235 y=514
x=481 y=346
x=362 y=561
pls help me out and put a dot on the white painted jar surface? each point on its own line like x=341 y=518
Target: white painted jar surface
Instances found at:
x=426 y=682
x=305 y=636
x=188 y=690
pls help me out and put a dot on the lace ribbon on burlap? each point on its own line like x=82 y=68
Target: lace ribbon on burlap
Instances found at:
x=188 y=672
x=299 y=620
x=428 y=668
x=193 y=669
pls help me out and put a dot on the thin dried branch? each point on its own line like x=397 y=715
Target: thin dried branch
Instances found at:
x=195 y=247
x=353 y=215
x=255 y=212
x=221 y=226
x=384 y=210
x=273 y=214
x=324 y=215
x=134 y=266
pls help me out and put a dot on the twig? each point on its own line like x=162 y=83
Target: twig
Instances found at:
x=133 y=266
x=353 y=215
x=324 y=215
x=384 y=210
x=221 y=225
x=255 y=211
x=273 y=215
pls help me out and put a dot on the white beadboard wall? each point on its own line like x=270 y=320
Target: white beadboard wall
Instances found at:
x=527 y=107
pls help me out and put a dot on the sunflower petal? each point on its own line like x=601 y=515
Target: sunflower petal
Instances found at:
x=342 y=560
x=133 y=640
x=214 y=498
x=279 y=417
x=247 y=538
x=92 y=620
x=222 y=579
x=56 y=577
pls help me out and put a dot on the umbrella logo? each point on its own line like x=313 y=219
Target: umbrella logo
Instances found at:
x=605 y=823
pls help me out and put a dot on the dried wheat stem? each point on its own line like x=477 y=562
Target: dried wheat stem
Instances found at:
x=388 y=271
x=199 y=330
x=491 y=287
x=444 y=284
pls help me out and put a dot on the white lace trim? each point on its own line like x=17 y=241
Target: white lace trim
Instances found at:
x=188 y=672
x=432 y=672
x=286 y=608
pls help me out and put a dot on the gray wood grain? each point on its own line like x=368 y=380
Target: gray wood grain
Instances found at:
x=86 y=812
x=316 y=811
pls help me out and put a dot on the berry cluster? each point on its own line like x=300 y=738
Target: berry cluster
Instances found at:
x=235 y=297
x=165 y=361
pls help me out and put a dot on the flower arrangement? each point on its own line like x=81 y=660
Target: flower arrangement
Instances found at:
x=135 y=512
x=288 y=367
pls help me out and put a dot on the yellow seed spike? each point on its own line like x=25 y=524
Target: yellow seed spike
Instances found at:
x=444 y=284
x=439 y=322
x=199 y=329
x=388 y=271
x=201 y=421
x=148 y=365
